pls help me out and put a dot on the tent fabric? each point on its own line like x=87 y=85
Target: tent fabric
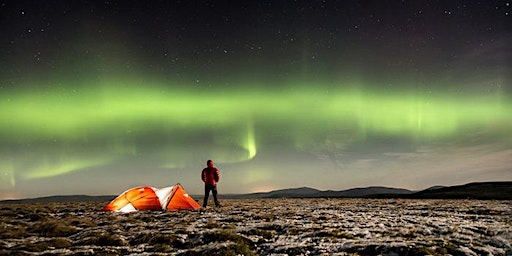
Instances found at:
x=148 y=198
x=180 y=200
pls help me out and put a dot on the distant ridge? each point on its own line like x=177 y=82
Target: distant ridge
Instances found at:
x=477 y=190
x=57 y=199
x=435 y=187
x=367 y=191
x=289 y=192
x=311 y=192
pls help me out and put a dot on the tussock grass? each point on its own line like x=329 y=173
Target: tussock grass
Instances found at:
x=37 y=216
x=8 y=212
x=15 y=252
x=153 y=238
x=164 y=248
x=56 y=243
x=106 y=220
x=265 y=216
x=404 y=250
x=294 y=231
x=103 y=239
x=105 y=251
x=279 y=229
x=228 y=226
x=161 y=241
x=265 y=234
x=332 y=233
x=80 y=222
x=52 y=228
x=235 y=250
x=241 y=245
x=233 y=219
x=224 y=235
x=12 y=232
x=300 y=250
x=212 y=224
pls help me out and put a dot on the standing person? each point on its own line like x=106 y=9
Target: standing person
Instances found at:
x=210 y=176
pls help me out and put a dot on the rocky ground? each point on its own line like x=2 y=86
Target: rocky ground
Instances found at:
x=263 y=227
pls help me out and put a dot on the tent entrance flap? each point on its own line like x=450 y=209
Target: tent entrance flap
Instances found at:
x=181 y=200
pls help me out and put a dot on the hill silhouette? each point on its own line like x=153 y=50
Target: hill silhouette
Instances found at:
x=477 y=190
x=66 y=198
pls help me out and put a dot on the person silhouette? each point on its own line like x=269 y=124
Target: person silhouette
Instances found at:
x=210 y=176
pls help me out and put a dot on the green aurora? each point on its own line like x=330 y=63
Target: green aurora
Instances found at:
x=63 y=130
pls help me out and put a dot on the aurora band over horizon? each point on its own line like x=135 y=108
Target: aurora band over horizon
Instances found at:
x=55 y=130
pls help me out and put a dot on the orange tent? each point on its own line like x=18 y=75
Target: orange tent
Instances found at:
x=149 y=198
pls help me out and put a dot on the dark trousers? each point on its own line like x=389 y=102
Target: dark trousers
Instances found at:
x=207 y=189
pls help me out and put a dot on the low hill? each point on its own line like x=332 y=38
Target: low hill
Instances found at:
x=290 y=192
x=370 y=191
x=477 y=190
x=306 y=192
x=70 y=198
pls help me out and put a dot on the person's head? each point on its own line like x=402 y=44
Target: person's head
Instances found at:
x=209 y=163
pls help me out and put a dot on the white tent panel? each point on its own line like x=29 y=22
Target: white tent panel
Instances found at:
x=163 y=195
x=128 y=208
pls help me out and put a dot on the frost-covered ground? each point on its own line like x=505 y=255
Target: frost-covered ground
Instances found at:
x=263 y=227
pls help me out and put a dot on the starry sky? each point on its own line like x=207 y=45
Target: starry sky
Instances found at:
x=100 y=96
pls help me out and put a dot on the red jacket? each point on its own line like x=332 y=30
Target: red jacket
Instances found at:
x=210 y=175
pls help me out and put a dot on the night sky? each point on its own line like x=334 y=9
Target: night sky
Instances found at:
x=100 y=96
